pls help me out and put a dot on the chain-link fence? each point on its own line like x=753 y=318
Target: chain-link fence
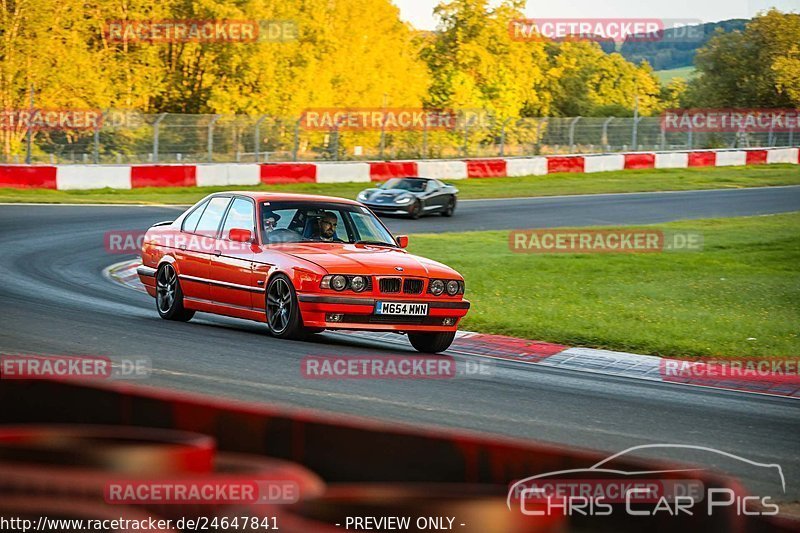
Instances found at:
x=176 y=138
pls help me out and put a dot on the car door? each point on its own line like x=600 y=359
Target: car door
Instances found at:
x=434 y=199
x=199 y=246
x=231 y=266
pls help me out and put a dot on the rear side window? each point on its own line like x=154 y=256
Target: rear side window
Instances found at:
x=212 y=216
x=190 y=222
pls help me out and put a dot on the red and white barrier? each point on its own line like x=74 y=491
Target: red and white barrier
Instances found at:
x=72 y=177
x=342 y=172
x=672 y=160
x=242 y=174
x=603 y=163
x=526 y=166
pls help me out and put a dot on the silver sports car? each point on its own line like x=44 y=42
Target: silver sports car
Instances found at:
x=411 y=196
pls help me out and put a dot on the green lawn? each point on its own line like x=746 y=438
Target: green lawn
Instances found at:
x=685 y=73
x=552 y=184
x=740 y=296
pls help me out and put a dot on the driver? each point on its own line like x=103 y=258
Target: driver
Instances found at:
x=270 y=220
x=327 y=227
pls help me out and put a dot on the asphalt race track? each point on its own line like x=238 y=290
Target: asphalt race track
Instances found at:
x=55 y=300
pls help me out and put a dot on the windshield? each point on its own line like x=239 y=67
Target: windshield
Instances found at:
x=282 y=222
x=406 y=184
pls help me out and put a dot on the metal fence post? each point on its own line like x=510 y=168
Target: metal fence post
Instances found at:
x=156 y=124
x=791 y=136
x=635 y=134
x=383 y=136
x=29 y=134
x=336 y=142
x=503 y=137
x=465 y=148
x=257 y=140
x=538 y=140
x=572 y=134
x=296 y=146
x=606 y=145
x=770 y=136
x=424 y=139
x=211 y=137
x=663 y=136
x=96 y=145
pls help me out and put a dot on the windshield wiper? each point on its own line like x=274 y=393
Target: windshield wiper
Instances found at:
x=377 y=243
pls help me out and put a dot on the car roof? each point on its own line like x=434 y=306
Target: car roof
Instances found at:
x=266 y=196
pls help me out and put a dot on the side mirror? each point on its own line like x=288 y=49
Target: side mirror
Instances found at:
x=240 y=235
x=402 y=241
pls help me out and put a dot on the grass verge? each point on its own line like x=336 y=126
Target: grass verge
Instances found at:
x=549 y=185
x=739 y=296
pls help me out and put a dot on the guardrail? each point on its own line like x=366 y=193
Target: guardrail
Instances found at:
x=71 y=177
x=125 y=137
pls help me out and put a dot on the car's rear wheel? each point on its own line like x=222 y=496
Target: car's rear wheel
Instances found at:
x=169 y=296
x=416 y=210
x=431 y=342
x=451 y=207
x=283 y=311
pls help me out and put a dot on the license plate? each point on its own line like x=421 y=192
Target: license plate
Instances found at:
x=401 y=308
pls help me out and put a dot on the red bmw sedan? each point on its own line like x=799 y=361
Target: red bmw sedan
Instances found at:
x=301 y=264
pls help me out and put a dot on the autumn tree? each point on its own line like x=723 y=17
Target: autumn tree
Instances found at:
x=757 y=67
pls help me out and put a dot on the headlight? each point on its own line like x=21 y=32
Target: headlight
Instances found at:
x=404 y=199
x=338 y=283
x=362 y=196
x=437 y=287
x=452 y=287
x=358 y=283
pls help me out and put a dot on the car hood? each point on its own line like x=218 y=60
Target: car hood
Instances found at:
x=339 y=258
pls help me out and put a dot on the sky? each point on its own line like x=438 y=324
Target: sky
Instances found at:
x=419 y=12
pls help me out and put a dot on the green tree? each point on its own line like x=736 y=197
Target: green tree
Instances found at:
x=757 y=67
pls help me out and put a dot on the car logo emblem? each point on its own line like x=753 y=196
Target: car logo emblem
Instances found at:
x=399 y=269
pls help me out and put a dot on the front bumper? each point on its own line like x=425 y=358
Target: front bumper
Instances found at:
x=147 y=275
x=359 y=313
x=390 y=209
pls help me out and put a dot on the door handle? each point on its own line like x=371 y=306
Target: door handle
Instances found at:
x=182 y=247
x=217 y=253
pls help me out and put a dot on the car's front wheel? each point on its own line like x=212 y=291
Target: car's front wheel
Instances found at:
x=431 y=342
x=283 y=311
x=169 y=296
x=416 y=210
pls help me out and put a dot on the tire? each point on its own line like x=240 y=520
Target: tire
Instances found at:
x=451 y=207
x=431 y=342
x=169 y=295
x=282 y=309
x=416 y=210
